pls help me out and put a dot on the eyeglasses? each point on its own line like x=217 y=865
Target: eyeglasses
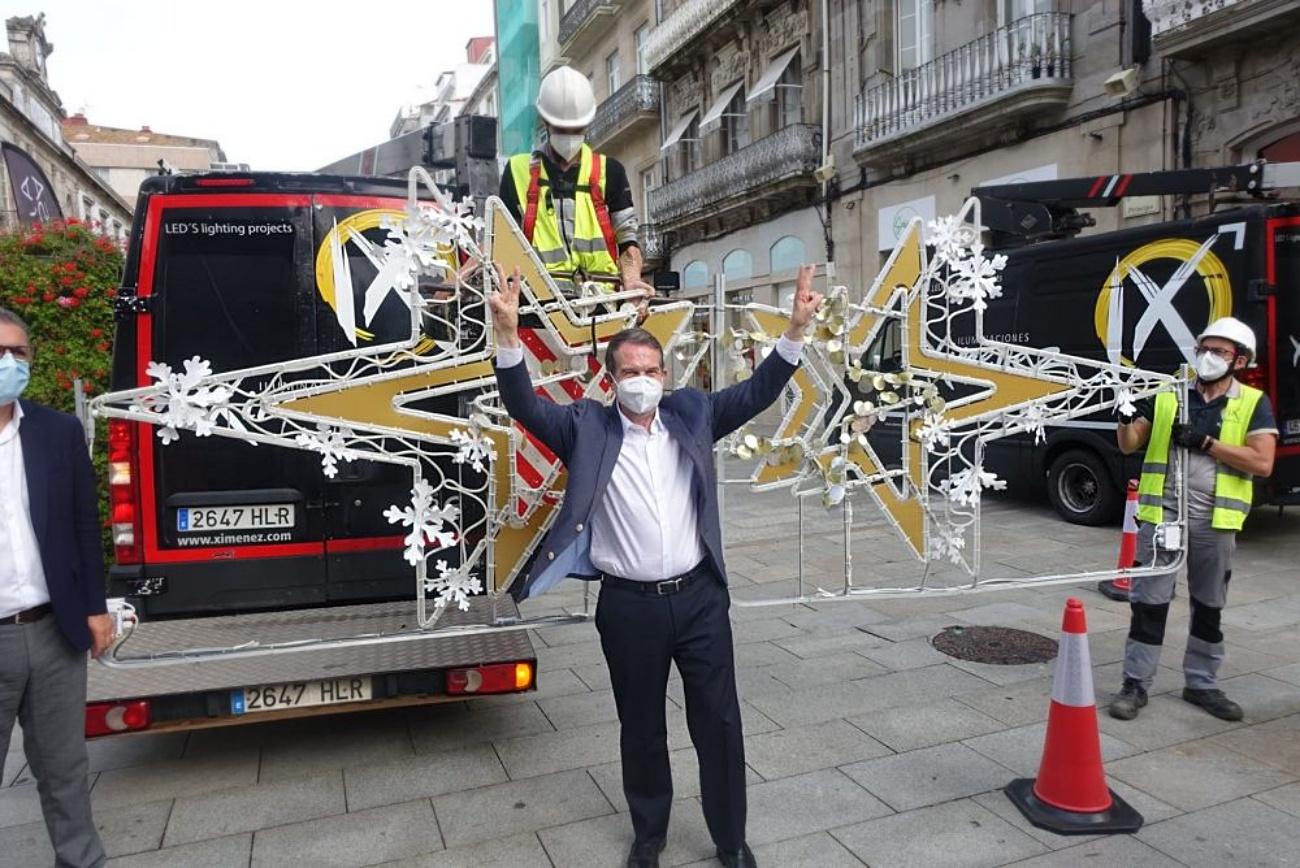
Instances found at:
x=1226 y=355
x=21 y=352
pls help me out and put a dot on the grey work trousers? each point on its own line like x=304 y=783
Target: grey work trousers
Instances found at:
x=43 y=684
x=1209 y=568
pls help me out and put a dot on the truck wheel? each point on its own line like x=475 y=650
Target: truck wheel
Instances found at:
x=1080 y=488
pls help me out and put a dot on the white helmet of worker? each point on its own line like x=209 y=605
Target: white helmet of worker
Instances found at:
x=1229 y=328
x=565 y=100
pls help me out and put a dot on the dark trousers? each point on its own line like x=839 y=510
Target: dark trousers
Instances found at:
x=43 y=684
x=641 y=634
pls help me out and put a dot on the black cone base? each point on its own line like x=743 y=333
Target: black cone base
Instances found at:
x=1108 y=590
x=1119 y=818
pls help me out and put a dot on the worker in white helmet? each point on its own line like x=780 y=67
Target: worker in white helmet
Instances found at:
x=574 y=204
x=1229 y=439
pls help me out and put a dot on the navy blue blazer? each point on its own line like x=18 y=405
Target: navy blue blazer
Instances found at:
x=587 y=436
x=64 y=499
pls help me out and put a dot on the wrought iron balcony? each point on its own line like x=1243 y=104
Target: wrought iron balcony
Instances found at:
x=1022 y=67
x=651 y=242
x=689 y=20
x=1183 y=28
x=585 y=21
x=768 y=167
x=636 y=101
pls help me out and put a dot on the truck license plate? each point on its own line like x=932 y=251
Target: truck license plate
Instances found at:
x=190 y=519
x=299 y=694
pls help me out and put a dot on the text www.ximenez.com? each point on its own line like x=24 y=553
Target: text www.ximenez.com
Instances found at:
x=233 y=539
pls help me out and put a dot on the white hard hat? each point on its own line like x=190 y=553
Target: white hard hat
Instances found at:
x=1232 y=329
x=565 y=99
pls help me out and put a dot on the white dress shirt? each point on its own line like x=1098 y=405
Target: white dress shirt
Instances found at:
x=646 y=527
x=22 y=576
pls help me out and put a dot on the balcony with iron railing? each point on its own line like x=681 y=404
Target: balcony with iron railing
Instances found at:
x=1185 y=28
x=633 y=104
x=651 y=242
x=1020 y=68
x=584 y=22
x=769 y=168
x=691 y=20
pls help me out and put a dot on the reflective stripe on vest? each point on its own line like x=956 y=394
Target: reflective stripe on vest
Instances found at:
x=589 y=250
x=1233 y=489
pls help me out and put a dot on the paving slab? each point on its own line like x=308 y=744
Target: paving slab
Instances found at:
x=19 y=805
x=1021 y=749
x=831 y=669
x=1117 y=850
x=1262 y=698
x=422 y=776
x=1013 y=704
x=232 y=852
x=1165 y=721
x=446 y=730
x=171 y=779
x=1197 y=774
x=359 y=742
x=1289 y=673
x=605 y=841
x=960 y=834
x=529 y=756
x=517 y=851
x=822 y=644
x=929 y=776
x=121 y=751
x=247 y=809
x=765 y=630
x=907 y=654
x=1276 y=743
x=750 y=682
x=818 y=850
x=471 y=816
x=911 y=625
x=134 y=828
x=869 y=694
x=1244 y=832
x=787 y=752
x=812 y=802
x=360 y=838
x=580 y=709
x=916 y=726
x=1283 y=798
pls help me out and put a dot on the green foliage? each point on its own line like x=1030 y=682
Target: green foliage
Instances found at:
x=61 y=278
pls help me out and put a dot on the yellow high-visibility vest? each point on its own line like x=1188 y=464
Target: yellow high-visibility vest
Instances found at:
x=593 y=249
x=1233 y=489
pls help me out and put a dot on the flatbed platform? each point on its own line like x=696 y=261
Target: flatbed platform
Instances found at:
x=337 y=622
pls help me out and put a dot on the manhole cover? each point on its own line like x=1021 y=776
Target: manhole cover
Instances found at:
x=1001 y=645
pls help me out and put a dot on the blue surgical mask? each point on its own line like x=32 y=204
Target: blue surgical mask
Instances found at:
x=13 y=378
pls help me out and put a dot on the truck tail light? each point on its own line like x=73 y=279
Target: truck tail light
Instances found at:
x=493 y=678
x=109 y=718
x=123 y=490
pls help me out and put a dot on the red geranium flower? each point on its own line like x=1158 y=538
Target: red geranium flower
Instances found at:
x=81 y=292
x=96 y=333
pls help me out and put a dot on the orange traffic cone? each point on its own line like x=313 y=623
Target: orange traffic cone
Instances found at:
x=1070 y=796
x=1119 y=588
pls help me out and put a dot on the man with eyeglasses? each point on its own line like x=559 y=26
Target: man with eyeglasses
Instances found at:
x=52 y=607
x=640 y=514
x=1230 y=438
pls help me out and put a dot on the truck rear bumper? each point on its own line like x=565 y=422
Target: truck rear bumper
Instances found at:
x=194 y=693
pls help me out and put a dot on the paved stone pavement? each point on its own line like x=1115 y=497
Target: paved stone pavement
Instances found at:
x=864 y=744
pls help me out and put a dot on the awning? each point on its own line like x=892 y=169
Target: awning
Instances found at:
x=680 y=130
x=720 y=104
x=767 y=81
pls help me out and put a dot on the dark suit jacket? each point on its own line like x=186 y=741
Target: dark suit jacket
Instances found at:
x=587 y=437
x=64 y=499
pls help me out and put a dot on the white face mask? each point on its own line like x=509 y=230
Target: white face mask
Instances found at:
x=640 y=395
x=567 y=145
x=1210 y=368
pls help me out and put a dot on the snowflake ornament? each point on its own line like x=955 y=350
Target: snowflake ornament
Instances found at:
x=975 y=278
x=964 y=486
x=1125 y=403
x=330 y=443
x=452 y=585
x=951 y=237
x=473 y=448
x=427 y=521
x=187 y=405
x=949 y=544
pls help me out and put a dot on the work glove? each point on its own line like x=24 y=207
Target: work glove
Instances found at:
x=1189 y=438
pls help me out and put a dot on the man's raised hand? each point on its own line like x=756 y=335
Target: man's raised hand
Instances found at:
x=805 y=304
x=504 y=303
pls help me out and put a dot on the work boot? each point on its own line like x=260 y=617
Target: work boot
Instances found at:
x=1214 y=702
x=1131 y=699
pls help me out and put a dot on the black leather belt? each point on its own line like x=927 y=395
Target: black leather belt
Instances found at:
x=659 y=589
x=28 y=616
